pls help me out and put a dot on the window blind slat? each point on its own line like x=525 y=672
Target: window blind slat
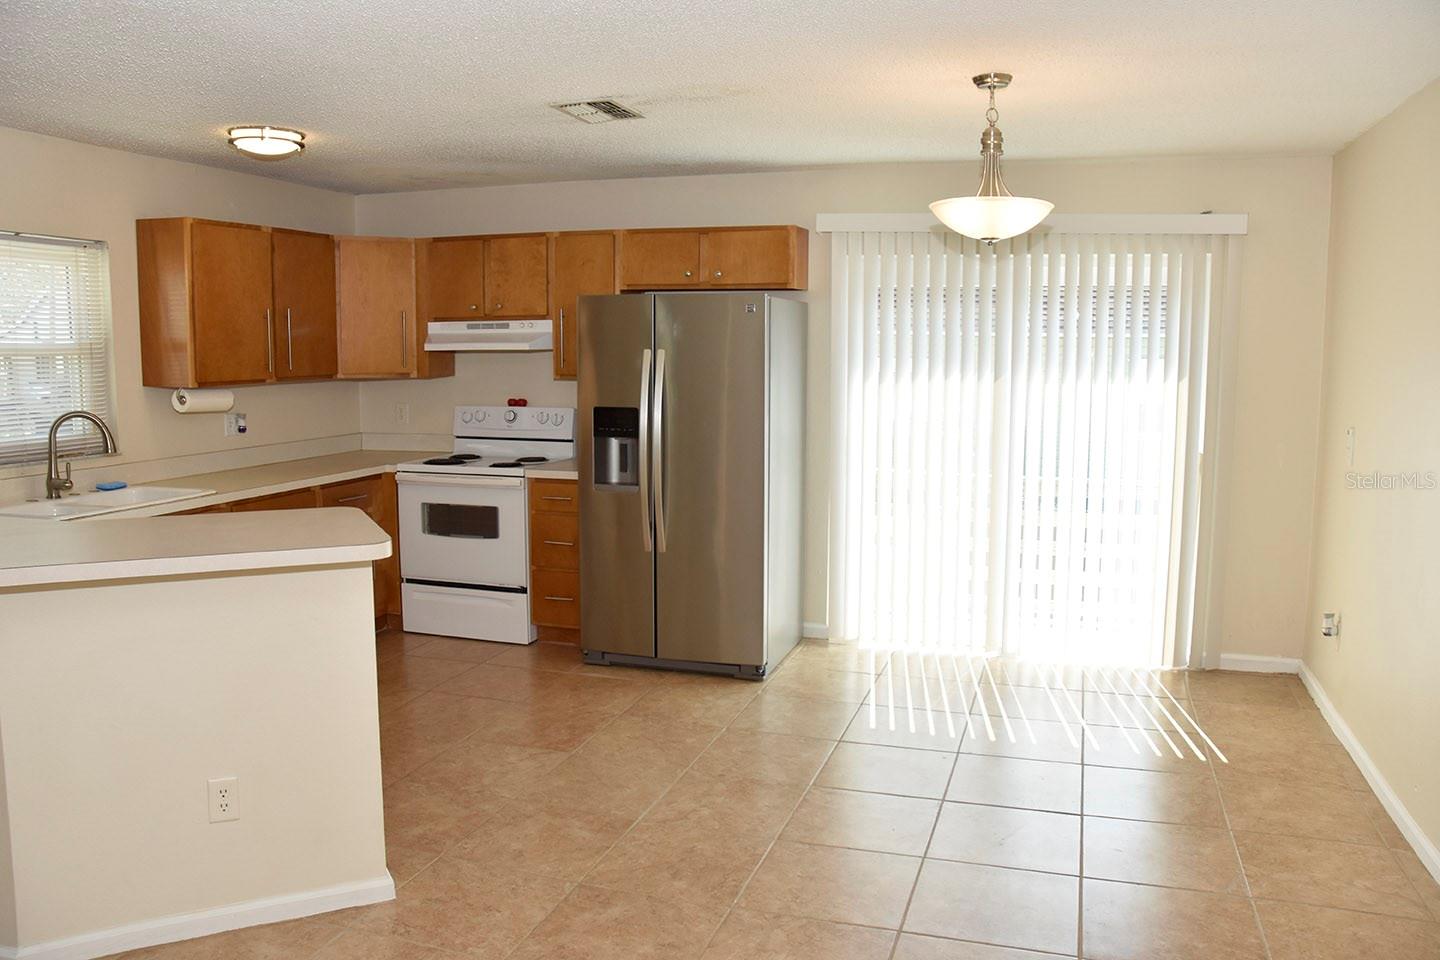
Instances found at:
x=54 y=344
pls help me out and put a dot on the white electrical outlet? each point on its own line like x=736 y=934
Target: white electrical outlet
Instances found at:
x=234 y=424
x=402 y=413
x=224 y=799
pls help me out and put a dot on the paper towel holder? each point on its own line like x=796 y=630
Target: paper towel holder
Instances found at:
x=202 y=401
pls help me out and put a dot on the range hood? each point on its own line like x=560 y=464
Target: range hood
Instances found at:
x=492 y=336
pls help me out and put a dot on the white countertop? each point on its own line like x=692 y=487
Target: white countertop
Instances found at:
x=46 y=552
x=555 y=470
x=143 y=542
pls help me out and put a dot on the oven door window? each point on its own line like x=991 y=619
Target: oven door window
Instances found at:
x=460 y=520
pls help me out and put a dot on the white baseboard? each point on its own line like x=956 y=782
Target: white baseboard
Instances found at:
x=815 y=631
x=202 y=923
x=1251 y=663
x=1425 y=848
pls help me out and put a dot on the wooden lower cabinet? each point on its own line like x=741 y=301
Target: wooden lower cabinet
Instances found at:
x=374 y=494
x=555 y=556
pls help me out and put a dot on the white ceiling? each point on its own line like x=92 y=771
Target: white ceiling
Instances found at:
x=419 y=94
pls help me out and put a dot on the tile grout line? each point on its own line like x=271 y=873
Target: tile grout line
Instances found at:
x=968 y=721
x=1235 y=847
x=740 y=893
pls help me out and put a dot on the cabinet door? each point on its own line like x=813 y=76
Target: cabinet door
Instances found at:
x=230 y=280
x=660 y=259
x=763 y=257
x=455 y=279
x=516 y=276
x=303 y=265
x=584 y=263
x=377 y=306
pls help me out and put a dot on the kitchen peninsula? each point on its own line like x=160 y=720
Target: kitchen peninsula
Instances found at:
x=188 y=691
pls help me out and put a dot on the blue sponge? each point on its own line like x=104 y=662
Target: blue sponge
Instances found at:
x=112 y=485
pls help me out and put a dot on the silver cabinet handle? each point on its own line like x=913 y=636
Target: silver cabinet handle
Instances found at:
x=657 y=462
x=289 y=341
x=499 y=306
x=404 y=344
x=562 y=338
x=558 y=543
x=355 y=499
x=717 y=274
x=561 y=599
x=687 y=273
x=269 y=343
x=548 y=497
x=474 y=306
x=645 y=449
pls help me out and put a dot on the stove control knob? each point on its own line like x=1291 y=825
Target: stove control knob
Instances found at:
x=511 y=416
x=543 y=417
x=559 y=419
x=480 y=416
x=467 y=416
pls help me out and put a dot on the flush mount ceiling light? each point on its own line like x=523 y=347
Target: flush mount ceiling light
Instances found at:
x=993 y=213
x=266 y=143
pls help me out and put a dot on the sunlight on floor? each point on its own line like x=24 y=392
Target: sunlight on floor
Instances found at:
x=940 y=694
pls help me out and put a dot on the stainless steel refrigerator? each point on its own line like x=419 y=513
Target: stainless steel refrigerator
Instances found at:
x=691 y=457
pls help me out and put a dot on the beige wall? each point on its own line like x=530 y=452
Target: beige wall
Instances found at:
x=72 y=189
x=1376 y=560
x=1271 y=477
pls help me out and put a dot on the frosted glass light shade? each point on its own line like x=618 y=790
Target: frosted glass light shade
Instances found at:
x=267 y=143
x=991 y=218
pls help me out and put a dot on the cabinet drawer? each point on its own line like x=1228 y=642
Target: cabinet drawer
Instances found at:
x=361 y=494
x=555 y=541
x=555 y=598
x=554 y=496
x=291 y=500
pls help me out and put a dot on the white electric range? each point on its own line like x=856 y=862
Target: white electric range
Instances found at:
x=464 y=548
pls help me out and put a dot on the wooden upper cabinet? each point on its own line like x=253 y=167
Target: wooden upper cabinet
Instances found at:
x=516 y=276
x=581 y=263
x=750 y=258
x=204 y=303
x=455 y=278
x=765 y=258
x=376 y=307
x=303 y=271
x=230 y=283
x=660 y=259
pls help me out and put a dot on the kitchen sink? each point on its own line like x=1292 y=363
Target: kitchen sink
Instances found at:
x=101 y=502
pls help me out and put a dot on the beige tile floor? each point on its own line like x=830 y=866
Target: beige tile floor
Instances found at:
x=539 y=808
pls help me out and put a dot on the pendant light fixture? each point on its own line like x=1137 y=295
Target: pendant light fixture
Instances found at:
x=993 y=213
x=266 y=143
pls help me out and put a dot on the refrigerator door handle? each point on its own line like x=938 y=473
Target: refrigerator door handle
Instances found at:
x=645 y=449
x=657 y=452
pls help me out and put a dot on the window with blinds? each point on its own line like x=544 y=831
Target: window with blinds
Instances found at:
x=54 y=343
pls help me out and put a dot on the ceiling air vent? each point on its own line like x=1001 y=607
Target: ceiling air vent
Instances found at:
x=597 y=111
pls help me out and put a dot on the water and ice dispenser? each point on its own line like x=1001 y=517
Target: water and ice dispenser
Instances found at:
x=617 y=447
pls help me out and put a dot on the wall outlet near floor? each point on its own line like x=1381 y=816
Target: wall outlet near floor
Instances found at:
x=1330 y=627
x=234 y=424
x=224 y=799
x=402 y=414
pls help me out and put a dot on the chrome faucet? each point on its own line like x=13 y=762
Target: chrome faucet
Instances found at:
x=54 y=483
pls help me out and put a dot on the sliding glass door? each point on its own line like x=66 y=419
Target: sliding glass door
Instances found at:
x=1018 y=431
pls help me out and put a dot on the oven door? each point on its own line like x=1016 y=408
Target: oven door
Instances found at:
x=466 y=530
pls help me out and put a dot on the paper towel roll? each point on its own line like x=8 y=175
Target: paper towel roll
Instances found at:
x=202 y=401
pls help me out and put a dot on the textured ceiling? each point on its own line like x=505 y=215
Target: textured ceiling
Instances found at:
x=419 y=94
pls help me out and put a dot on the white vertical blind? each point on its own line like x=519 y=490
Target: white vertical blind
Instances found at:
x=54 y=343
x=1016 y=434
